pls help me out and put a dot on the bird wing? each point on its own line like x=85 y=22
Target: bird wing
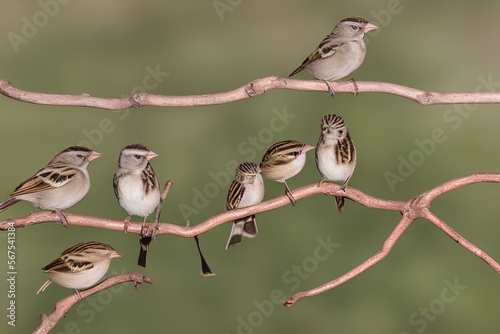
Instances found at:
x=234 y=195
x=68 y=263
x=47 y=178
x=326 y=48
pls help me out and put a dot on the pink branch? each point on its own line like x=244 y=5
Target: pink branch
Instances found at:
x=64 y=305
x=191 y=231
x=255 y=88
x=417 y=207
x=462 y=241
x=402 y=226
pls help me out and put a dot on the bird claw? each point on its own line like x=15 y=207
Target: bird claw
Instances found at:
x=126 y=224
x=62 y=217
x=354 y=83
x=330 y=88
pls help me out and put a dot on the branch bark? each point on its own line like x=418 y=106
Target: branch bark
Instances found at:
x=253 y=89
x=412 y=209
x=64 y=305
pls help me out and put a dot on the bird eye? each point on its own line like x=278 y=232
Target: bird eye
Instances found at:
x=354 y=27
x=79 y=156
x=137 y=156
x=341 y=132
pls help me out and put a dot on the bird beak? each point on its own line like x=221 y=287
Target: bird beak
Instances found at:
x=93 y=156
x=369 y=27
x=151 y=155
x=307 y=148
x=114 y=254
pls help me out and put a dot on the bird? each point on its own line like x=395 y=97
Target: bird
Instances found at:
x=137 y=189
x=335 y=153
x=340 y=53
x=61 y=184
x=80 y=266
x=284 y=160
x=246 y=189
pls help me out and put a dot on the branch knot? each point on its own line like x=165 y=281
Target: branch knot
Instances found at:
x=138 y=99
x=416 y=207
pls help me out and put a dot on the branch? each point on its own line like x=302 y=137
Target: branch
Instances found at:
x=417 y=207
x=403 y=224
x=329 y=189
x=412 y=209
x=253 y=89
x=64 y=305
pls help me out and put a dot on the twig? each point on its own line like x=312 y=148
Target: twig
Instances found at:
x=64 y=305
x=253 y=89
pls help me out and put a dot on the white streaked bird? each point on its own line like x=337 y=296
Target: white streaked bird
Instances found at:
x=247 y=189
x=137 y=189
x=335 y=154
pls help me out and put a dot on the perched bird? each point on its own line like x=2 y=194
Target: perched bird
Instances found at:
x=247 y=189
x=137 y=189
x=284 y=160
x=61 y=184
x=340 y=53
x=335 y=153
x=79 y=267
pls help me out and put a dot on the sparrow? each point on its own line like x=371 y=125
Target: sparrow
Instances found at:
x=335 y=153
x=284 y=160
x=61 y=184
x=339 y=53
x=137 y=189
x=79 y=267
x=247 y=189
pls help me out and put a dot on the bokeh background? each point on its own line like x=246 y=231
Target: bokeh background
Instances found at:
x=109 y=49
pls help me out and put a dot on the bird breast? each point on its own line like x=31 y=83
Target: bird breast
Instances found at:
x=133 y=198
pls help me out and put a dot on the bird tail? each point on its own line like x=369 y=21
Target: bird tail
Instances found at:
x=44 y=286
x=250 y=229
x=236 y=233
x=244 y=227
x=339 y=202
x=143 y=252
x=205 y=268
x=8 y=203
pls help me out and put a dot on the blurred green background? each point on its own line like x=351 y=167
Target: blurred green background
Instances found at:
x=109 y=48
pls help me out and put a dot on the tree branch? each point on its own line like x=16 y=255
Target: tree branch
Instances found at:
x=329 y=189
x=64 y=305
x=412 y=209
x=253 y=89
x=403 y=224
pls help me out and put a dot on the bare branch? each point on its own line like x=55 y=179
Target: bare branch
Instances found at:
x=253 y=89
x=64 y=305
x=330 y=189
x=402 y=226
x=417 y=207
x=462 y=241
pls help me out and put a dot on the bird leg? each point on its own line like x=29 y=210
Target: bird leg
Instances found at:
x=289 y=194
x=126 y=224
x=320 y=183
x=78 y=294
x=330 y=88
x=62 y=217
x=355 y=84
x=345 y=183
